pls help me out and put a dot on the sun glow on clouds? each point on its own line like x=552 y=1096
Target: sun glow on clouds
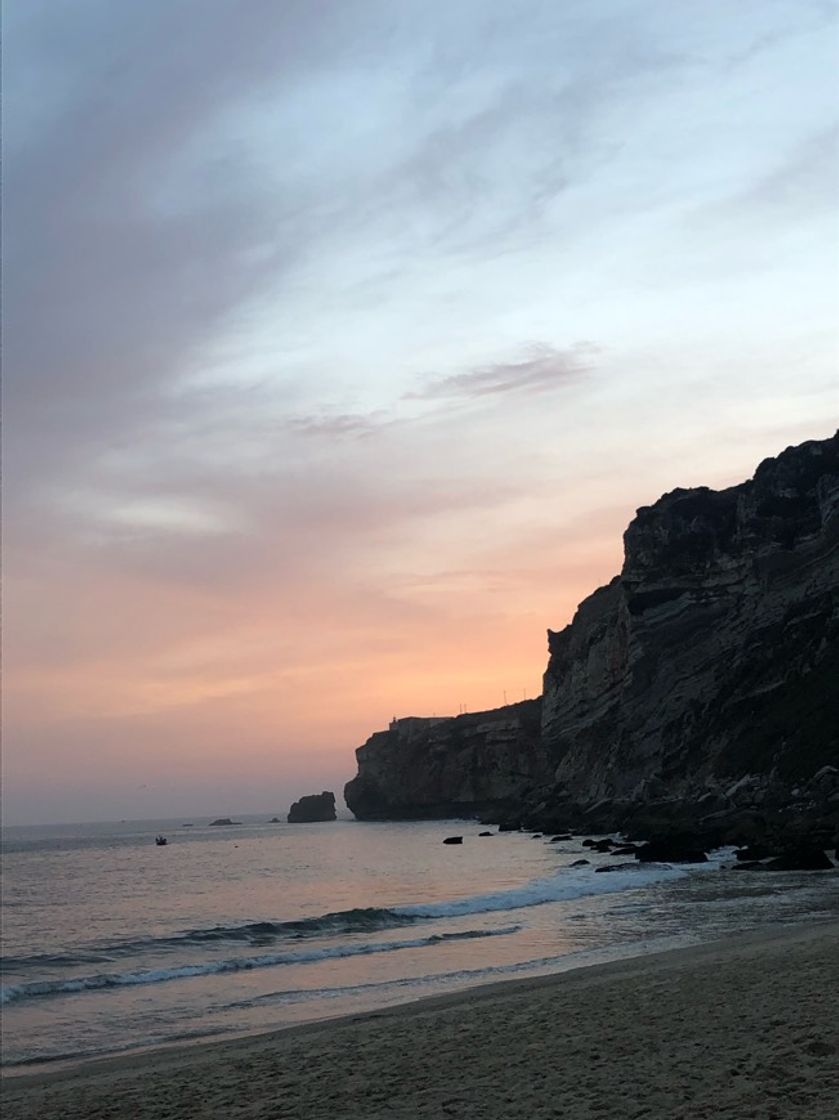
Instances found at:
x=340 y=349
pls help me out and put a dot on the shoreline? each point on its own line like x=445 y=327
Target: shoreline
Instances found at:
x=769 y=990
x=575 y=961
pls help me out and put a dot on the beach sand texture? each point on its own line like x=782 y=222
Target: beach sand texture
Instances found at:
x=744 y=1029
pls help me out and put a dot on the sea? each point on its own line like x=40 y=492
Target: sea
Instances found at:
x=112 y=943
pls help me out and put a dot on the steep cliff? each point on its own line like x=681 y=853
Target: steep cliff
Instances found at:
x=705 y=674
x=461 y=765
x=715 y=654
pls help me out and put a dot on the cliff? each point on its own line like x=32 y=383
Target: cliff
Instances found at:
x=461 y=765
x=705 y=674
x=714 y=656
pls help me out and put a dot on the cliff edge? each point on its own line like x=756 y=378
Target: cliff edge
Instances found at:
x=448 y=767
x=705 y=674
x=713 y=659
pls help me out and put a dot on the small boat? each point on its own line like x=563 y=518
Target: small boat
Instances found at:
x=160 y=841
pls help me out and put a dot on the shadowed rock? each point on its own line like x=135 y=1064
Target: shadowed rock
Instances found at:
x=313 y=807
x=478 y=764
x=801 y=859
x=671 y=849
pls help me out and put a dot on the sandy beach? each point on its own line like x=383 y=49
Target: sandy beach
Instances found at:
x=748 y=1028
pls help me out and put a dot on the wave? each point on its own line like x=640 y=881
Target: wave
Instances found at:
x=572 y=883
x=38 y=988
x=54 y=960
x=359 y=920
x=261 y=933
x=569 y=883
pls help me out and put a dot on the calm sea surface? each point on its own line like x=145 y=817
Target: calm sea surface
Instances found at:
x=111 y=943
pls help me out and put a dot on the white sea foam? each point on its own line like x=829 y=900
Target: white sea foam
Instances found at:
x=570 y=883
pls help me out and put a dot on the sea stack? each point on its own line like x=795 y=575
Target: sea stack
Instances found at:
x=313 y=807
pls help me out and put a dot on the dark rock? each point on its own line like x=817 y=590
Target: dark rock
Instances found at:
x=617 y=867
x=600 y=816
x=510 y=826
x=223 y=822
x=712 y=802
x=580 y=863
x=536 y=836
x=825 y=781
x=754 y=852
x=695 y=692
x=275 y=820
x=801 y=859
x=453 y=840
x=671 y=849
x=475 y=764
x=625 y=850
x=313 y=807
x=733 y=826
x=750 y=865
x=588 y=842
x=604 y=845
x=485 y=834
x=712 y=658
x=561 y=838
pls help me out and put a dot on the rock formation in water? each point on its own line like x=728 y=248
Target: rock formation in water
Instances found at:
x=703 y=680
x=313 y=807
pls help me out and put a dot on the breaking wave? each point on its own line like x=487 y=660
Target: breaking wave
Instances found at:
x=569 y=884
x=36 y=988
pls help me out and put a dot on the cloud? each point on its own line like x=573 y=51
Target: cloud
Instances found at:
x=340 y=426
x=268 y=272
x=804 y=182
x=544 y=370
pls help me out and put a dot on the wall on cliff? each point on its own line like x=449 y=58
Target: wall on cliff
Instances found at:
x=715 y=653
x=461 y=765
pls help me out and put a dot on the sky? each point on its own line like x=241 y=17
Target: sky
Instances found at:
x=342 y=338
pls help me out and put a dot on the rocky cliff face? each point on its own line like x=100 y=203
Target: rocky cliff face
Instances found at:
x=707 y=673
x=715 y=654
x=462 y=765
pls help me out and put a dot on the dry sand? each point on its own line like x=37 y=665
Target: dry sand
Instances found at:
x=748 y=1028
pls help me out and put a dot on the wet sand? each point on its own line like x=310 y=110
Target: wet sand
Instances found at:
x=748 y=1028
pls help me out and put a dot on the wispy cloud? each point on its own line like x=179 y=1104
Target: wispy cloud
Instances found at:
x=271 y=270
x=543 y=370
x=347 y=425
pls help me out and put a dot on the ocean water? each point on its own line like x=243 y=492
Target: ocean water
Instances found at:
x=111 y=943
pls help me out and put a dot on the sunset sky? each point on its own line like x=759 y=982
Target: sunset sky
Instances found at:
x=344 y=337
